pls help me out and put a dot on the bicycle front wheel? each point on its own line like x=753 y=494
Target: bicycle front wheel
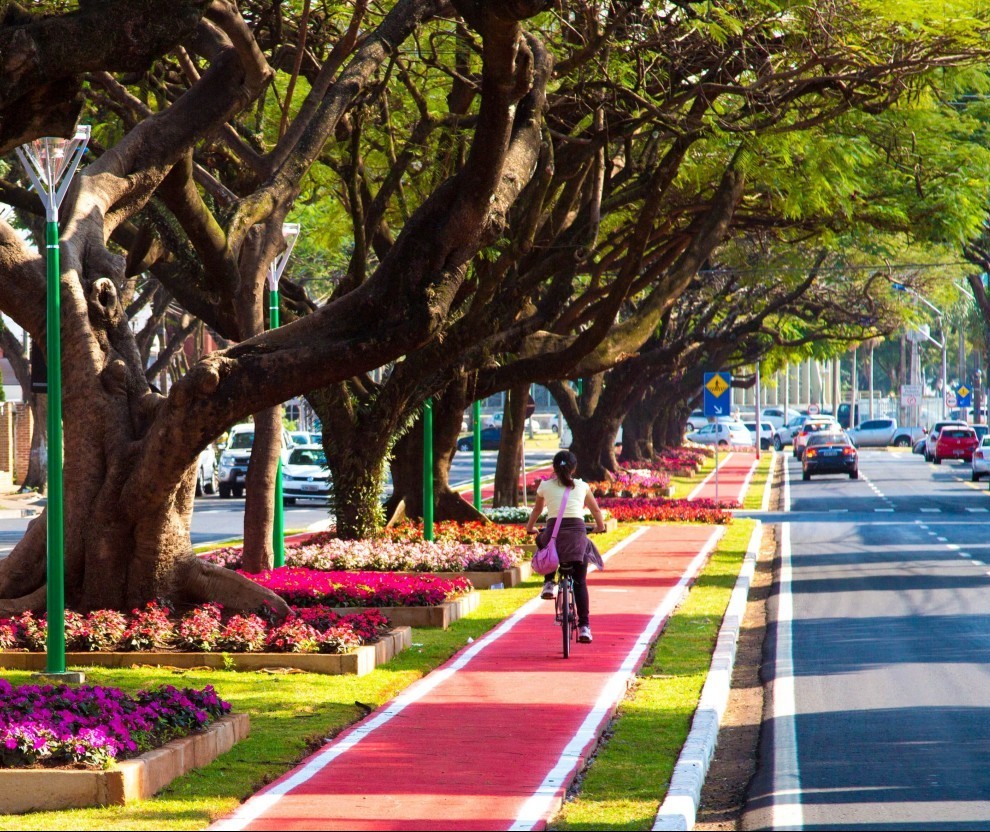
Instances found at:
x=566 y=622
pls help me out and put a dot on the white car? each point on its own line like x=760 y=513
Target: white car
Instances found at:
x=697 y=420
x=785 y=435
x=723 y=433
x=981 y=460
x=767 y=433
x=305 y=475
x=207 y=479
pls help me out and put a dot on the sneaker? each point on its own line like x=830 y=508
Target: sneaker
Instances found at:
x=549 y=591
x=584 y=635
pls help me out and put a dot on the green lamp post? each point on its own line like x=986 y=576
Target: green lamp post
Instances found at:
x=50 y=163
x=290 y=233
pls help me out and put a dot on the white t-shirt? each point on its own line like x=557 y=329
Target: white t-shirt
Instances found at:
x=552 y=493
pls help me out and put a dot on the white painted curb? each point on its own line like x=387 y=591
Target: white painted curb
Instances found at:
x=680 y=807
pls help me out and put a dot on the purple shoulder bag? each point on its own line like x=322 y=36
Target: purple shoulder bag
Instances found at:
x=545 y=561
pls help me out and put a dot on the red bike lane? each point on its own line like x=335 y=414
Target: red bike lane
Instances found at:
x=492 y=739
x=735 y=470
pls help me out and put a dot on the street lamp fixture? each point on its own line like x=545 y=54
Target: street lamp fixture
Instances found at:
x=50 y=163
x=290 y=233
x=900 y=287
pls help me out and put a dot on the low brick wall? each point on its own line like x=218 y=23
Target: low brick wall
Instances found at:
x=35 y=790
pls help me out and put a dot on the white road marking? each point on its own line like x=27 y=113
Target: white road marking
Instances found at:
x=977 y=510
x=787 y=812
x=931 y=511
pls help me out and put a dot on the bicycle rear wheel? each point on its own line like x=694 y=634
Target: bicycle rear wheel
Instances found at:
x=566 y=622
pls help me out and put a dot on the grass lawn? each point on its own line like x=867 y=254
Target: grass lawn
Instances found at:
x=685 y=485
x=628 y=778
x=291 y=713
x=754 y=494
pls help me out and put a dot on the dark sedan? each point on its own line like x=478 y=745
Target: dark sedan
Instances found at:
x=830 y=453
x=490 y=439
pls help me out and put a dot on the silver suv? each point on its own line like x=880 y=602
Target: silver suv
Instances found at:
x=236 y=456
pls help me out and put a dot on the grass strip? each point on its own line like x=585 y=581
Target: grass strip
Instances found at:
x=754 y=494
x=684 y=485
x=291 y=714
x=628 y=778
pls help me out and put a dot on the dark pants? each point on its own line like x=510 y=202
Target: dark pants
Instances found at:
x=579 y=572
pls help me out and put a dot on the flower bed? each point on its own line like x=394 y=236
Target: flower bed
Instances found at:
x=634 y=483
x=448 y=531
x=331 y=553
x=520 y=514
x=58 y=725
x=691 y=511
x=315 y=629
x=309 y=587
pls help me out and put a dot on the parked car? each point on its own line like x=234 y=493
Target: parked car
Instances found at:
x=305 y=475
x=955 y=442
x=490 y=439
x=767 y=433
x=207 y=479
x=878 y=433
x=981 y=460
x=933 y=435
x=830 y=452
x=776 y=416
x=305 y=437
x=919 y=446
x=697 y=420
x=723 y=433
x=786 y=434
x=236 y=456
x=816 y=424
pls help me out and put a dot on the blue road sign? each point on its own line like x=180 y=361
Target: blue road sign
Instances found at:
x=718 y=394
x=964 y=396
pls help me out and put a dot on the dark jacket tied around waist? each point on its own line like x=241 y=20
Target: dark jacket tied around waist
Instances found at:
x=573 y=544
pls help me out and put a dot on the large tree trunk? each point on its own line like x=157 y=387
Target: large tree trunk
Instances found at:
x=37 y=472
x=259 y=485
x=637 y=432
x=507 y=487
x=594 y=446
x=407 y=464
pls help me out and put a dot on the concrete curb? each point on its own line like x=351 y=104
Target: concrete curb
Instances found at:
x=680 y=807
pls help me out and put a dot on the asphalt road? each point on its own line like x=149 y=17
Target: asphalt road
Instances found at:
x=216 y=519
x=877 y=655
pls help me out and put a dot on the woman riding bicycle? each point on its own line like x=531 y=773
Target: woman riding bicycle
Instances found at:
x=573 y=546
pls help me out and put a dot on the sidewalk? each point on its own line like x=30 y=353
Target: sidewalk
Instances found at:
x=735 y=470
x=14 y=504
x=494 y=737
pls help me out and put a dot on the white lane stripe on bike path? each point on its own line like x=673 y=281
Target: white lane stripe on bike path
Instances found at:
x=537 y=808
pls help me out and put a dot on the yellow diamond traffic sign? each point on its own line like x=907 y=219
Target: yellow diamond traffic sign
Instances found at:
x=717 y=385
x=962 y=390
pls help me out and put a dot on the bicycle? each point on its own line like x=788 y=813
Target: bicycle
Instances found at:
x=566 y=610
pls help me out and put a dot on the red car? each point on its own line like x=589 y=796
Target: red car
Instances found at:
x=955 y=442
